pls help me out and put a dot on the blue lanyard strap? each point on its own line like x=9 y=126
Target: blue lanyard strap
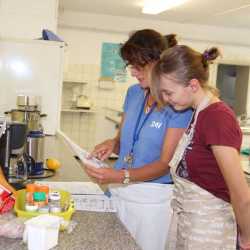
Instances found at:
x=138 y=129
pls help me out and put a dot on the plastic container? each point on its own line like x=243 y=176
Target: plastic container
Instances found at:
x=66 y=202
x=41 y=233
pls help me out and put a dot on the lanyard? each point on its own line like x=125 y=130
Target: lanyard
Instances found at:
x=138 y=129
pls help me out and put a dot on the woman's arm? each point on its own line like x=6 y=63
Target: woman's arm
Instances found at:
x=160 y=167
x=146 y=172
x=228 y=160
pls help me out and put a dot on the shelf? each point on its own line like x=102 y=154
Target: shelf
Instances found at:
x=74 y=82
x=114 y=119
x=79 y=110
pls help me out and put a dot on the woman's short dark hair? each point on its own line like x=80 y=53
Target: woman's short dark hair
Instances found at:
x=145 y=46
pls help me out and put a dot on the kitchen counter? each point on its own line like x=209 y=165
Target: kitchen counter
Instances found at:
x=94 y=230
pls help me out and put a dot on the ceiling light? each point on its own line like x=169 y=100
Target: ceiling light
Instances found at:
x=156 y=6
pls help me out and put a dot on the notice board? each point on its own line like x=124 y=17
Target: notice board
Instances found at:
x=112 y=65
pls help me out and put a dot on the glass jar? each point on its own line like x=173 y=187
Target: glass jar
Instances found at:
x=55 y=202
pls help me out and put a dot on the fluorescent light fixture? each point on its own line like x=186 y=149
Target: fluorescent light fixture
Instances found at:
x=156 y=6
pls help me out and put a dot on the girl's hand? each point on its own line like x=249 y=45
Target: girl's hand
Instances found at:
x=244 y=246
x=105 y=175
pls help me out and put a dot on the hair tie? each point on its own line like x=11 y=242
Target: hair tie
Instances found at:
x=206 y=55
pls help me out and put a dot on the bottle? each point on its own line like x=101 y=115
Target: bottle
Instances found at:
x=44 y=189
x=30 y=189
x=39 y=199
x=55 y=202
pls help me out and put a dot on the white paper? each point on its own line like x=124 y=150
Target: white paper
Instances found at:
x=74 y=187
x=83 y=154
x=96 y=203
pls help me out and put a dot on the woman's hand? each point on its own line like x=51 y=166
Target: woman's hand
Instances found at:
x=104 y=150
x=105 y=175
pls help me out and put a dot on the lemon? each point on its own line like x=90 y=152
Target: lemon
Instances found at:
x=53 y=164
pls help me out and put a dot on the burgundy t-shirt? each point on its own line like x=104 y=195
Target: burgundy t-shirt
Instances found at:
x=216 y=125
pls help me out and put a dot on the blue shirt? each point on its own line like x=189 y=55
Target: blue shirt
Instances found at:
x=147 y=148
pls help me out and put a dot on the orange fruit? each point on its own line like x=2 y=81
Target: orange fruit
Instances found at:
x=53 y=164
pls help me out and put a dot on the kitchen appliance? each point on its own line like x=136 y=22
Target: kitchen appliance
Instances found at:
x=21 y=154
x=35 y=151
x=83 y=102
x=12 y=159
x=28 y=101
x=28 y=111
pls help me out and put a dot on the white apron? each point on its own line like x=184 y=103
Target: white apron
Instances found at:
x=144 y=208
x=200 y=220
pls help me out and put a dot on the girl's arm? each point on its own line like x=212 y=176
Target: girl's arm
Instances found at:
x=228 y=160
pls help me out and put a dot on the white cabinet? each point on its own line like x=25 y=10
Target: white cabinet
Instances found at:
x=32 y=68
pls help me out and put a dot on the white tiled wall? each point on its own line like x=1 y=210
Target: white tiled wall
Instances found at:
x=88 y=129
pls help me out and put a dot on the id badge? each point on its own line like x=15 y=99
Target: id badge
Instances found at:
x=129 y=159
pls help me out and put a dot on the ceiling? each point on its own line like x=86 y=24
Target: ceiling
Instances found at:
x=227 y=13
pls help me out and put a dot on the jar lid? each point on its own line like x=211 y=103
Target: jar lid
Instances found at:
x=31 y=208
x=31 y=187
x=39 y=196
x=54 y=196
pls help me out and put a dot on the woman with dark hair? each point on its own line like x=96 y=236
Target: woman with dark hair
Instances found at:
x=210 y=191
x=145 y=143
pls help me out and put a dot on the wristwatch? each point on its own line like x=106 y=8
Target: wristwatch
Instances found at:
x=126 y=179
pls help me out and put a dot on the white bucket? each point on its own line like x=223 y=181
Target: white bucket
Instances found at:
x=41 y=232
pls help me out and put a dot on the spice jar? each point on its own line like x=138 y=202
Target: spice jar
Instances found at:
x=55 y=202
x=30 y=189
x=39 y=199
x=44 y=189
